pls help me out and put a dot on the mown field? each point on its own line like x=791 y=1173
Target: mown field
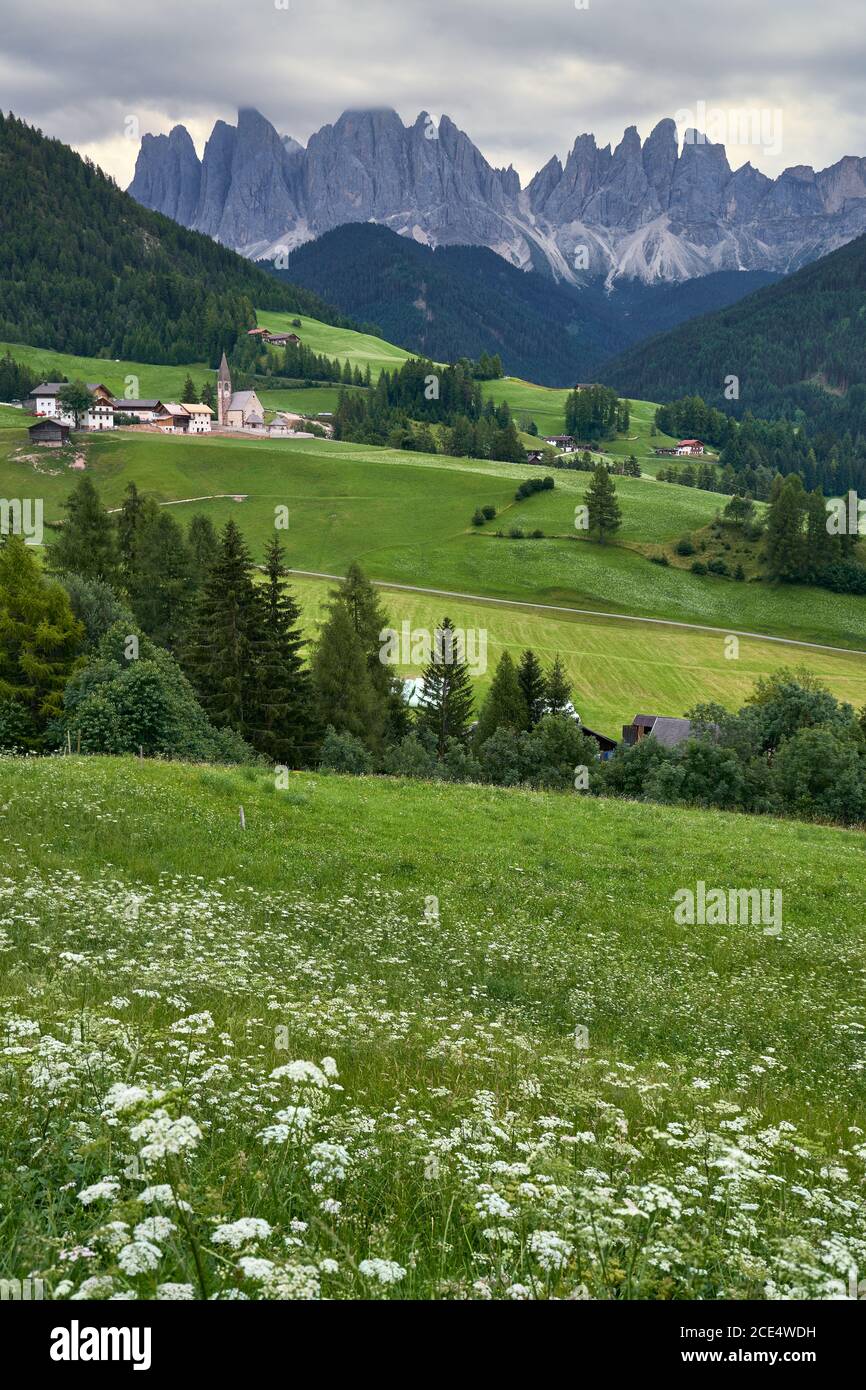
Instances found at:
x=407 y=1041
x=617 y=669
x=407 y=519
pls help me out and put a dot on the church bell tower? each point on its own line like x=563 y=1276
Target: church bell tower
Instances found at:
x=224 y=393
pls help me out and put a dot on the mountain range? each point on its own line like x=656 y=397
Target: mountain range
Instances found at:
x=647 y=210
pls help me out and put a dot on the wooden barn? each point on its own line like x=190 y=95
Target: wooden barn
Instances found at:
x=48 y=430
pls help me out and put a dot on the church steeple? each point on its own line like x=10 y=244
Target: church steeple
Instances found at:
x=224 y=392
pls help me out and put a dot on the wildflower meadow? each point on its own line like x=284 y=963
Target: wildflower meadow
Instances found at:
x=413 y=1041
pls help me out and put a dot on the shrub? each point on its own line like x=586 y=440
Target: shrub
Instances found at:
x=698 y=567
x=516 y=533
x=478 y=518
x=344 y=753
x=718 y=567
x=411 y=757
x=685 y=546
x=489 y=512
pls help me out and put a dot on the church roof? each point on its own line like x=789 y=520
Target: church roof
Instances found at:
x=243 y=400
x=224 y=370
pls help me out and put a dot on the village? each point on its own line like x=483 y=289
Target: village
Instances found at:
x=237 y=412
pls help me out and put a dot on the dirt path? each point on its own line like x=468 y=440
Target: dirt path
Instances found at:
x=589 y=613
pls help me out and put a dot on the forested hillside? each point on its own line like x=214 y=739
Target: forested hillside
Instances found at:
x=460 y=301
x=797 y=346
x=85 y=269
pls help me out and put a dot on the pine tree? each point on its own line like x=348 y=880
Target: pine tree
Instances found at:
x=530 y=678
x=557 y=690
x=203 y=546
x=226 y=641
x=291 y=734
x=87 y=542
x=605 y=517
x=369 y=620
x=504 y=706
x=190 y=395
x=161 y=581
x=345 y=696
x=128 y=522
x=446 y=703
x=208 y=395
x=40 y=638
x=786 y=546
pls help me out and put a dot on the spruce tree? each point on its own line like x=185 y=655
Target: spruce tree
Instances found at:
x=291 y=735
x=369 y=620
x=786 y=541
x=190 y=395
x=821 y=547
x=226 y=642
x=161 y=582
x=530 y=678
x=128 y=521
x=605 y=517
x=345 y=695
x=557 y=689
x=87 y=542
x=40 y=638
x=446 y=702
x=504 y=706
x=203 y=546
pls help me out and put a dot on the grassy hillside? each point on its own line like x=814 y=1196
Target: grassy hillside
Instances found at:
x=406 y=517
x=541 y=1085
x=361 y=349
x=616 y=668
x=162 y=381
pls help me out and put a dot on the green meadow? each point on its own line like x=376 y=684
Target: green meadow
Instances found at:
x=617 y=669
x=151 y=380
x=419 y=1041
x=361 y=349
x=407 y=519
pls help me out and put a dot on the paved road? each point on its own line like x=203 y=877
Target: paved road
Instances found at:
x=587 y=613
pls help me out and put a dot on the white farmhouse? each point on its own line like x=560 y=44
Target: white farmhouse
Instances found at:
x=46 y=403
x=199 y=418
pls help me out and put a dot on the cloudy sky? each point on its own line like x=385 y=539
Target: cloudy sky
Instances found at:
x=782 y=79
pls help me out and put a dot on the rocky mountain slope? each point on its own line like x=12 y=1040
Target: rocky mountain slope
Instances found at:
x=650 y=210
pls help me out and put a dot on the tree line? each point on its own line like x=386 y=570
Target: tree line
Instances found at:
x=405 y=405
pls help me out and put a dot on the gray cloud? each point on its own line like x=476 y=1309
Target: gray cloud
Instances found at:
x=522 y=77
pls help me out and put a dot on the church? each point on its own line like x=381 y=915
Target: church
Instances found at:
x=237 y=410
